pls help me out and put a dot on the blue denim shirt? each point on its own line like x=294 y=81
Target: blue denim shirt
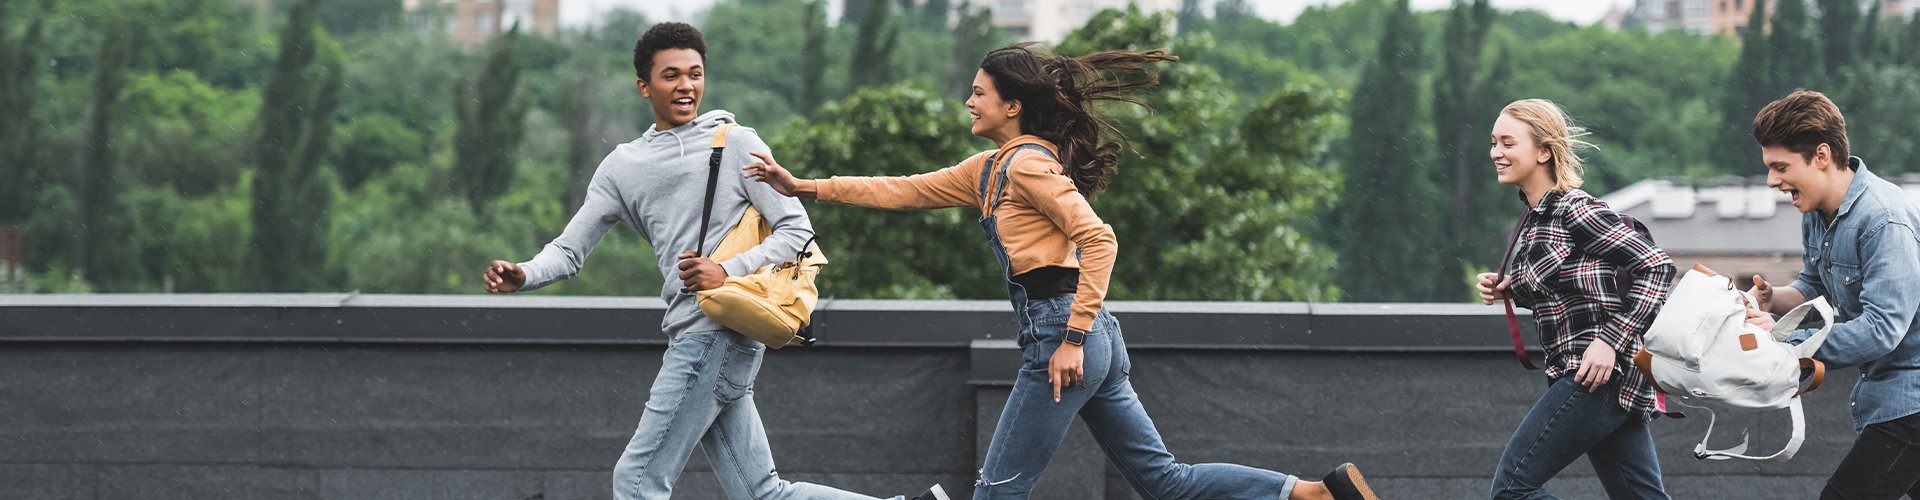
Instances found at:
x=1867 y=264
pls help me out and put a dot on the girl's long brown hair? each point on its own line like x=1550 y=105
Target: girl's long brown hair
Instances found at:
x=1057 y=94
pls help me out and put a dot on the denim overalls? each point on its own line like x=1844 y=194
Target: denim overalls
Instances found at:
x=1033 y=424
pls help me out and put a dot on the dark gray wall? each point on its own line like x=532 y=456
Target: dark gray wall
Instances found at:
x=421 y=397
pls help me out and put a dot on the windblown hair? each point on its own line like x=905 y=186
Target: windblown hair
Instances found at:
x=1056 y=95
x=1554 y=131
x=665 y=36
x=1801 y=122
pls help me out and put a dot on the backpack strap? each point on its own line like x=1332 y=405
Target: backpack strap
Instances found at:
x=713 y=181
x=992 y=185
x=1701 y=452
x=1513 y=321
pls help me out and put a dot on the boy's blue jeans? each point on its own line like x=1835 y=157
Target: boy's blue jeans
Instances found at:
x=704 y=395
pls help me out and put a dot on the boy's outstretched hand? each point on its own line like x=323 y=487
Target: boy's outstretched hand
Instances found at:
x=504 y=277
x=778 y=178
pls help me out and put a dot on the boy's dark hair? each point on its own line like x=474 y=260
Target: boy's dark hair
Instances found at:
x=665 y=36
x=1801 y=122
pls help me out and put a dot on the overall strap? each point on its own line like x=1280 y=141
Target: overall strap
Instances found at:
x=1513 y=321
x=713 y=181
x=991 y=192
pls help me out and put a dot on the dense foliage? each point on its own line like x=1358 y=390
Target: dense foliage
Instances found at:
x=332 y=145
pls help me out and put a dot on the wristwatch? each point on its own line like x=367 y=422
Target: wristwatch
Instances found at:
x=1075 y=337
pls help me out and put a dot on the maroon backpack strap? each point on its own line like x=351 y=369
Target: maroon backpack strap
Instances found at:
x=1513 y=321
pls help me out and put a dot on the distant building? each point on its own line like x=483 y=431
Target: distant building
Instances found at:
x=1729 y=17
x=1051 y=20
x=1739 y=227
x=1615 y=18
x=475 y=21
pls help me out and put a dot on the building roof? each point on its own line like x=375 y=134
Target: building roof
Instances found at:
x=1728 y=216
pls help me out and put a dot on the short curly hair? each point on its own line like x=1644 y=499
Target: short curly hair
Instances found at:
x=665 y=36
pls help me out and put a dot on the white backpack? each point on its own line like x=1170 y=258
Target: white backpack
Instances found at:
x=1701 y=351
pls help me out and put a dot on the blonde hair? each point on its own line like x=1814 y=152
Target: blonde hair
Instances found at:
x=1555 y=132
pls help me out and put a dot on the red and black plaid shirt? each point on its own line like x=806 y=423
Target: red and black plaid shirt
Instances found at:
x=1563 y=269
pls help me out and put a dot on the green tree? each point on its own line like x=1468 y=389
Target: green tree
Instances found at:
x=1458 y=120
x=291 y=196
x=973 y=36
x=20 y=64
x=1230 y=12
x=492 y=114
x=372 y=144
x=1882 y=106
x=1871 y=47
x=349 y=16
x=1839 y=33
x=1909 y=53
x=1793 y=52
x=1246 y=180
x=1752 y=88
x=872 y=63
x=1384 y=226
x=813 y=58
x=93 y=180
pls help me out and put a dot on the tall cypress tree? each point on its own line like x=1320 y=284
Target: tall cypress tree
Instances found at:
x=1457 y=119
x=873 y=52
x=19 y=91
x=972 y=38
x=93 y=175
x=290 y=197
x=1872 y=49
x=492 y=119
x=1189 y=16
x=1909 y=52
x=1839 y=33
x=1385 y=224
x=1795 y=62
x=1752 y=89
x=813 y=58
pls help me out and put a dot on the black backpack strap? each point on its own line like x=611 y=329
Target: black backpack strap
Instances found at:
x=713 y=182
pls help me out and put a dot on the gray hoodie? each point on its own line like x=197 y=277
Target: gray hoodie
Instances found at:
x=657 y=185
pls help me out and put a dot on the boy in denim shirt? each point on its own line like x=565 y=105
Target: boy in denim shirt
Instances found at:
x=1863 y=256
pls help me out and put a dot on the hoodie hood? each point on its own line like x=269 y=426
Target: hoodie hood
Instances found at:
x=702 y=126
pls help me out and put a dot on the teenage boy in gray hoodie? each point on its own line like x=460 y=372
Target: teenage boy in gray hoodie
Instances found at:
x=657 y=185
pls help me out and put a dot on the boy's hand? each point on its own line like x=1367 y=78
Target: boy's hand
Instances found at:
x=504 y=277
x=700 y=273
x=1762 y=293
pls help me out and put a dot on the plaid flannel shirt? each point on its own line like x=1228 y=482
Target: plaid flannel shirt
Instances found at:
x=1563 y=270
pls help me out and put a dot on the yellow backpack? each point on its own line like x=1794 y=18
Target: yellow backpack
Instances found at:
x=774 y=305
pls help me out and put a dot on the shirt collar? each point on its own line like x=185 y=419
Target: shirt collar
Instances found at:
x=1546 y=200
x=1861 y=177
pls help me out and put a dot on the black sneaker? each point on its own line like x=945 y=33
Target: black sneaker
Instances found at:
x=1345 y=483
x=934 y=493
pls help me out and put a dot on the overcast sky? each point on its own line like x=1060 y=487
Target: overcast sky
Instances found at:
x=576 y=12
